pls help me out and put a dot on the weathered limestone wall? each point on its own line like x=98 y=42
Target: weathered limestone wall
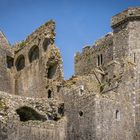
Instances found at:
x=6 y=83
x=134 y=45
x=113 y=118
x=51 y=125
x=78 y=110
x=78 y=95
x=86 y=61
x=33 y=131
x=42 y=59
x=126 y=26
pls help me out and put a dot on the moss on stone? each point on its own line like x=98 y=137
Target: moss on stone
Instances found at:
x=22 y=44
x=2 y=105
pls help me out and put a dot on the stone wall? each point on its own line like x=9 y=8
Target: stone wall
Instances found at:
x=113 y=118
x=33 y=131
x=90 y=58
x=79 y=99
x=14 y=126
x=134 y=45
x=37 y=64
x=6 y=83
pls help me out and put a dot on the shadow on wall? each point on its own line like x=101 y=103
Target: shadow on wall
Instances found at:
x=26 y=113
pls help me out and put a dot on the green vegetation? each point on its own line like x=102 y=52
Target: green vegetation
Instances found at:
x=22 y=44
x=2 y=104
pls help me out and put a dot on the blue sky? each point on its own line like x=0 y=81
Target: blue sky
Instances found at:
x=78 y=22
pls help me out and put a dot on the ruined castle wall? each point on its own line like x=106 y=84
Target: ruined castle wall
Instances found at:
x=16 y=126
x=134 y=45
x=91 y=57
x=78 y=95
x=120 y=41
x=6 y=76
x=126 y=41
x=42 y=64
x=33 y=131
x=113 y=118
x=78 y=110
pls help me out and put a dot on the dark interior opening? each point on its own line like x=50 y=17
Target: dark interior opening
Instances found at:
x=98 y=60
x=46 y=43
x=117 y=115
x=101 y=59
x=26 y=113
x=61 y=109
x=10 y=62
x=49 y=93
x=134 y=57
x=81 y=113
x=20 y=63
x=51 y=71
x=33 y=53
x=58 y=88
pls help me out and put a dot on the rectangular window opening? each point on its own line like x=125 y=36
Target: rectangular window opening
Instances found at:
x=10 y=62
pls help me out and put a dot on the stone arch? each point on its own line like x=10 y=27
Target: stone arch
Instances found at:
x=33 y=53
x=27 y=113
x=46 y=43
x=51 y=70
x=20 y=62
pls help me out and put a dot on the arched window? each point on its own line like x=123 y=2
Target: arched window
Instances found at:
x=46 y=43
x=117 y=115
x=20 y=62
x=33 y=53
x=27 y=113
x=52 y=70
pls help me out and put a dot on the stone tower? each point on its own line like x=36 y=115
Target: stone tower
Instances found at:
x=126 y=31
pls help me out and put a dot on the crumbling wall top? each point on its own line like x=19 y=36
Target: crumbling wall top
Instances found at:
x=100 y=44
x=4 y=43
x=47 y=30
x=129 y=14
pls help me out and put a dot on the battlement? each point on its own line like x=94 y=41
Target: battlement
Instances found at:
x=89 y=57
x=127 y=15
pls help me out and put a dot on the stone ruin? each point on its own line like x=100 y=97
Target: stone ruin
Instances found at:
x=101 y=101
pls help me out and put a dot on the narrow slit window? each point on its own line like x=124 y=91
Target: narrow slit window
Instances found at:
x=134 y=57
x=117 y=115
x=101 y=59
x=98 y=60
